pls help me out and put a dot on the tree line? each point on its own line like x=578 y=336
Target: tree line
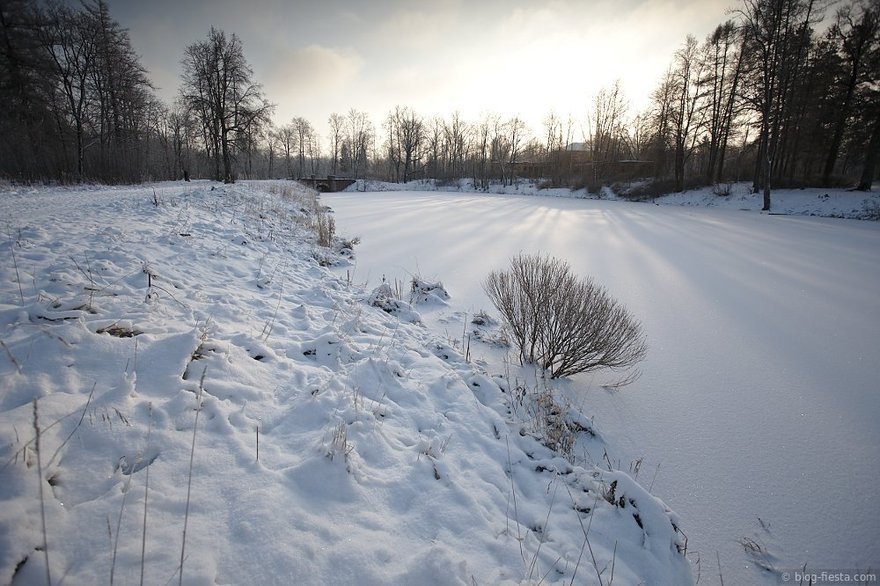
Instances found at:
x=767 y=97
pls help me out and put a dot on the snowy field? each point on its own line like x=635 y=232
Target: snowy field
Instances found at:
x=213 y=402
x=756 y=415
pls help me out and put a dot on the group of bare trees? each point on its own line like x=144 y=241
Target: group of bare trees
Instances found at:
x=416 y=147
x=76 y=100
x=796 y=105
x=300 y=146
x=78 y=104
x=765 y=97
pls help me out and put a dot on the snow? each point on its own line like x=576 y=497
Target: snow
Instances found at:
x=813 y=201
x=755 y=417
x=331 y=442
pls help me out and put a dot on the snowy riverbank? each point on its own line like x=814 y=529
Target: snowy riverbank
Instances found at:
x=758 y=395
x=200 y=374
x=813 y=201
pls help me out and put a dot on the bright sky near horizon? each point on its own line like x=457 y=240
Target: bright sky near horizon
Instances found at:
x=511 y=57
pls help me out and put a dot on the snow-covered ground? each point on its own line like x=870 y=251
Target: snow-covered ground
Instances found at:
x=813 y=201
x=207 y=390
x=756 y=415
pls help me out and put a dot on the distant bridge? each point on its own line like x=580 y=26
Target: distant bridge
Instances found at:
x=326 y=184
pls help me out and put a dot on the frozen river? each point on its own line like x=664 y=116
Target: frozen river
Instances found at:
x=760 y=396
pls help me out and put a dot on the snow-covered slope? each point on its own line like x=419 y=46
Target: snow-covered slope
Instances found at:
x=812 y=201
x=206 y=390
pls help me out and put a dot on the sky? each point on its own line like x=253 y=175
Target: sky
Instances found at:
x=510 y=57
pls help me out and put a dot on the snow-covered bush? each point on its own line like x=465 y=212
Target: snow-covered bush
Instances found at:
x=561 y=323
x=722 y=189
x=871 y=210
x=422 y=291
x=387 y=298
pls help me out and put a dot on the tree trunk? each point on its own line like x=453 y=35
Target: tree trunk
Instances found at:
x=764 y=162
x=871 y=156
x=79 y=151
x=227 y=160
x=839 y=127
x=679 y=168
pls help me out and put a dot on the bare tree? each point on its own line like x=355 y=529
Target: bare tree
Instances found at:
x=337 y=125
x=406 y=137
x=217 y=85
x=272 y=146
x=313 y=151
x=287 y=140
x=776 y=33
x=482 y=149
x=499 y=148
x=639 y=136
x=660 y=122
x=606 y=128
x=456 y=134
x=723 y=60
x=436 y=149
x=120 y=93
x=71 y=44
x=392 y=146
x=687 y=111
x=517 y=137
x=182 y=130
x=359 y=135
x=304 y=136
x=552 y=134
x=553 y=147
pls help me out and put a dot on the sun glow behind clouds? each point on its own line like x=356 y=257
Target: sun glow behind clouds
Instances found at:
x=527 y=62
x=510 y=57
x=526 y=58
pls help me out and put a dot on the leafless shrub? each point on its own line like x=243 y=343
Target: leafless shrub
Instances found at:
x=325 y=228
x=339 y=443
x=12 y=245
x=561 y=323
x=550 y=423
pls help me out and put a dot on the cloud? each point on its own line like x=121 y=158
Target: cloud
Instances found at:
x=312 y=81
x=422 y=26
x=317 y=66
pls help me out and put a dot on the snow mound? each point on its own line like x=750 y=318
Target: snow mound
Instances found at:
x=206 y=390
